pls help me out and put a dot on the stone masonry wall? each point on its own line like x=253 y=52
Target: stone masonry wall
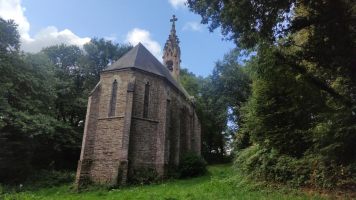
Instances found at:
x=170 y=122
x=197 y=135
x=154 y=143
x=88 y=144
x=143 y=146
x=103 y=134
x=109 y=130
x=107 y=150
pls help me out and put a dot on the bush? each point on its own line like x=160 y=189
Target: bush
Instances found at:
x=262 y=164
x=41 y=179
x=192 y=165
x=142 y=176
x=51 y=178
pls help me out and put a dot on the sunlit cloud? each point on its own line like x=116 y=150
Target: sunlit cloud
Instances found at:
x=194 y=26
x=177 y=3
x=11 y=9
x=139 y=35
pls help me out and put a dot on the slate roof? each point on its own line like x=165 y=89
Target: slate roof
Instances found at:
x=140 y=58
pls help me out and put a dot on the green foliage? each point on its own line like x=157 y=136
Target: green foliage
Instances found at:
x=212 y=114
x=263 y=164
x=248 y=23
x=9 y=37
x=219 y=183
x=99 y=53
x=43 y=100
x=26 y=111
x=141 y=176
x=302 y=105
x=219 y=98
x=47 y=179
x=40 y=180
x=191 y=165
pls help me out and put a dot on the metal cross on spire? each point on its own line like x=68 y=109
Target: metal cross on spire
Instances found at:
x=173 y=20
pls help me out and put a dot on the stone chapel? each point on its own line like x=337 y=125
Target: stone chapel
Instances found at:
x=139 y=117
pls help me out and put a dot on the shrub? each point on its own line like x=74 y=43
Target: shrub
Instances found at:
x=45 y=178
x=143 y=176
x=39 y=180
x=192 y=165
x=262 y=164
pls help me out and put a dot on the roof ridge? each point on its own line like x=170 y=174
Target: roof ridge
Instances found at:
x=142 y=59
x=138 y=47
x=149 y=52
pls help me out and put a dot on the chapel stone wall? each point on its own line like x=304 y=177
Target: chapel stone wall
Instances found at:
x=88 y=144
x=143 y=146
x=117 y=147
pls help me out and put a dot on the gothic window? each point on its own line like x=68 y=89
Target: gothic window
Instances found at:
x=146 y=100
x=168 y=117
x=113 y=99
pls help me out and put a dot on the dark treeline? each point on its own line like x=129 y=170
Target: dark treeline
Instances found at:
x=43 y=99
x=296 y=120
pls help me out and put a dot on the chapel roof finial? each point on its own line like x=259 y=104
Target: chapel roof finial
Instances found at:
x=173 y=31
x=174 y=19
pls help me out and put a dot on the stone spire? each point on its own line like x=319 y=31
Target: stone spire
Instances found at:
x=171 y=52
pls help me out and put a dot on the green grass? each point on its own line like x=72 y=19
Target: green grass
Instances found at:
x=219 y=183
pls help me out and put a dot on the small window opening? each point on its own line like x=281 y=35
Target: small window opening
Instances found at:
x=113 y=99
x=146 y=100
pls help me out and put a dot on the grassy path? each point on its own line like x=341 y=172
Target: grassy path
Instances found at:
x=217 y=184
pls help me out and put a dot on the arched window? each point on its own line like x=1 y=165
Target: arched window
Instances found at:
x=146 y=100
x=113 y=99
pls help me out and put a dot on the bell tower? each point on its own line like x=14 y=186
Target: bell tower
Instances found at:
x=171 y=52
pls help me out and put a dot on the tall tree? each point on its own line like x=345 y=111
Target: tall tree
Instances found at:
x=304 y=74
x=252 y=24
x=26 y=111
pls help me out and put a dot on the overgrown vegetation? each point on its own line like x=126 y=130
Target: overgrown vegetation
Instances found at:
x=192 y=165
x=141 y=176
x=298 y=124
x=40 y=180
x=219 y=183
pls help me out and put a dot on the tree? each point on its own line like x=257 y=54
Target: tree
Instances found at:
x=26 y=112
x=255 y=24
x=212 y=113
x=43 y=100
x=303 y=104
x=226 y=89
x=9 y=37
x=99 y=53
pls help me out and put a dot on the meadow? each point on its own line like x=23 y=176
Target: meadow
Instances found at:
x=219 y=183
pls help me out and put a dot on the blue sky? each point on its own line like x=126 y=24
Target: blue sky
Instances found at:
x=47 y=22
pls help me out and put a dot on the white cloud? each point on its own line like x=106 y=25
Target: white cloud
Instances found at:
x=11 y=9
x=50 y=36
x=112 y=37
x=177 y=3
x=139 y=35
x=194 y=26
